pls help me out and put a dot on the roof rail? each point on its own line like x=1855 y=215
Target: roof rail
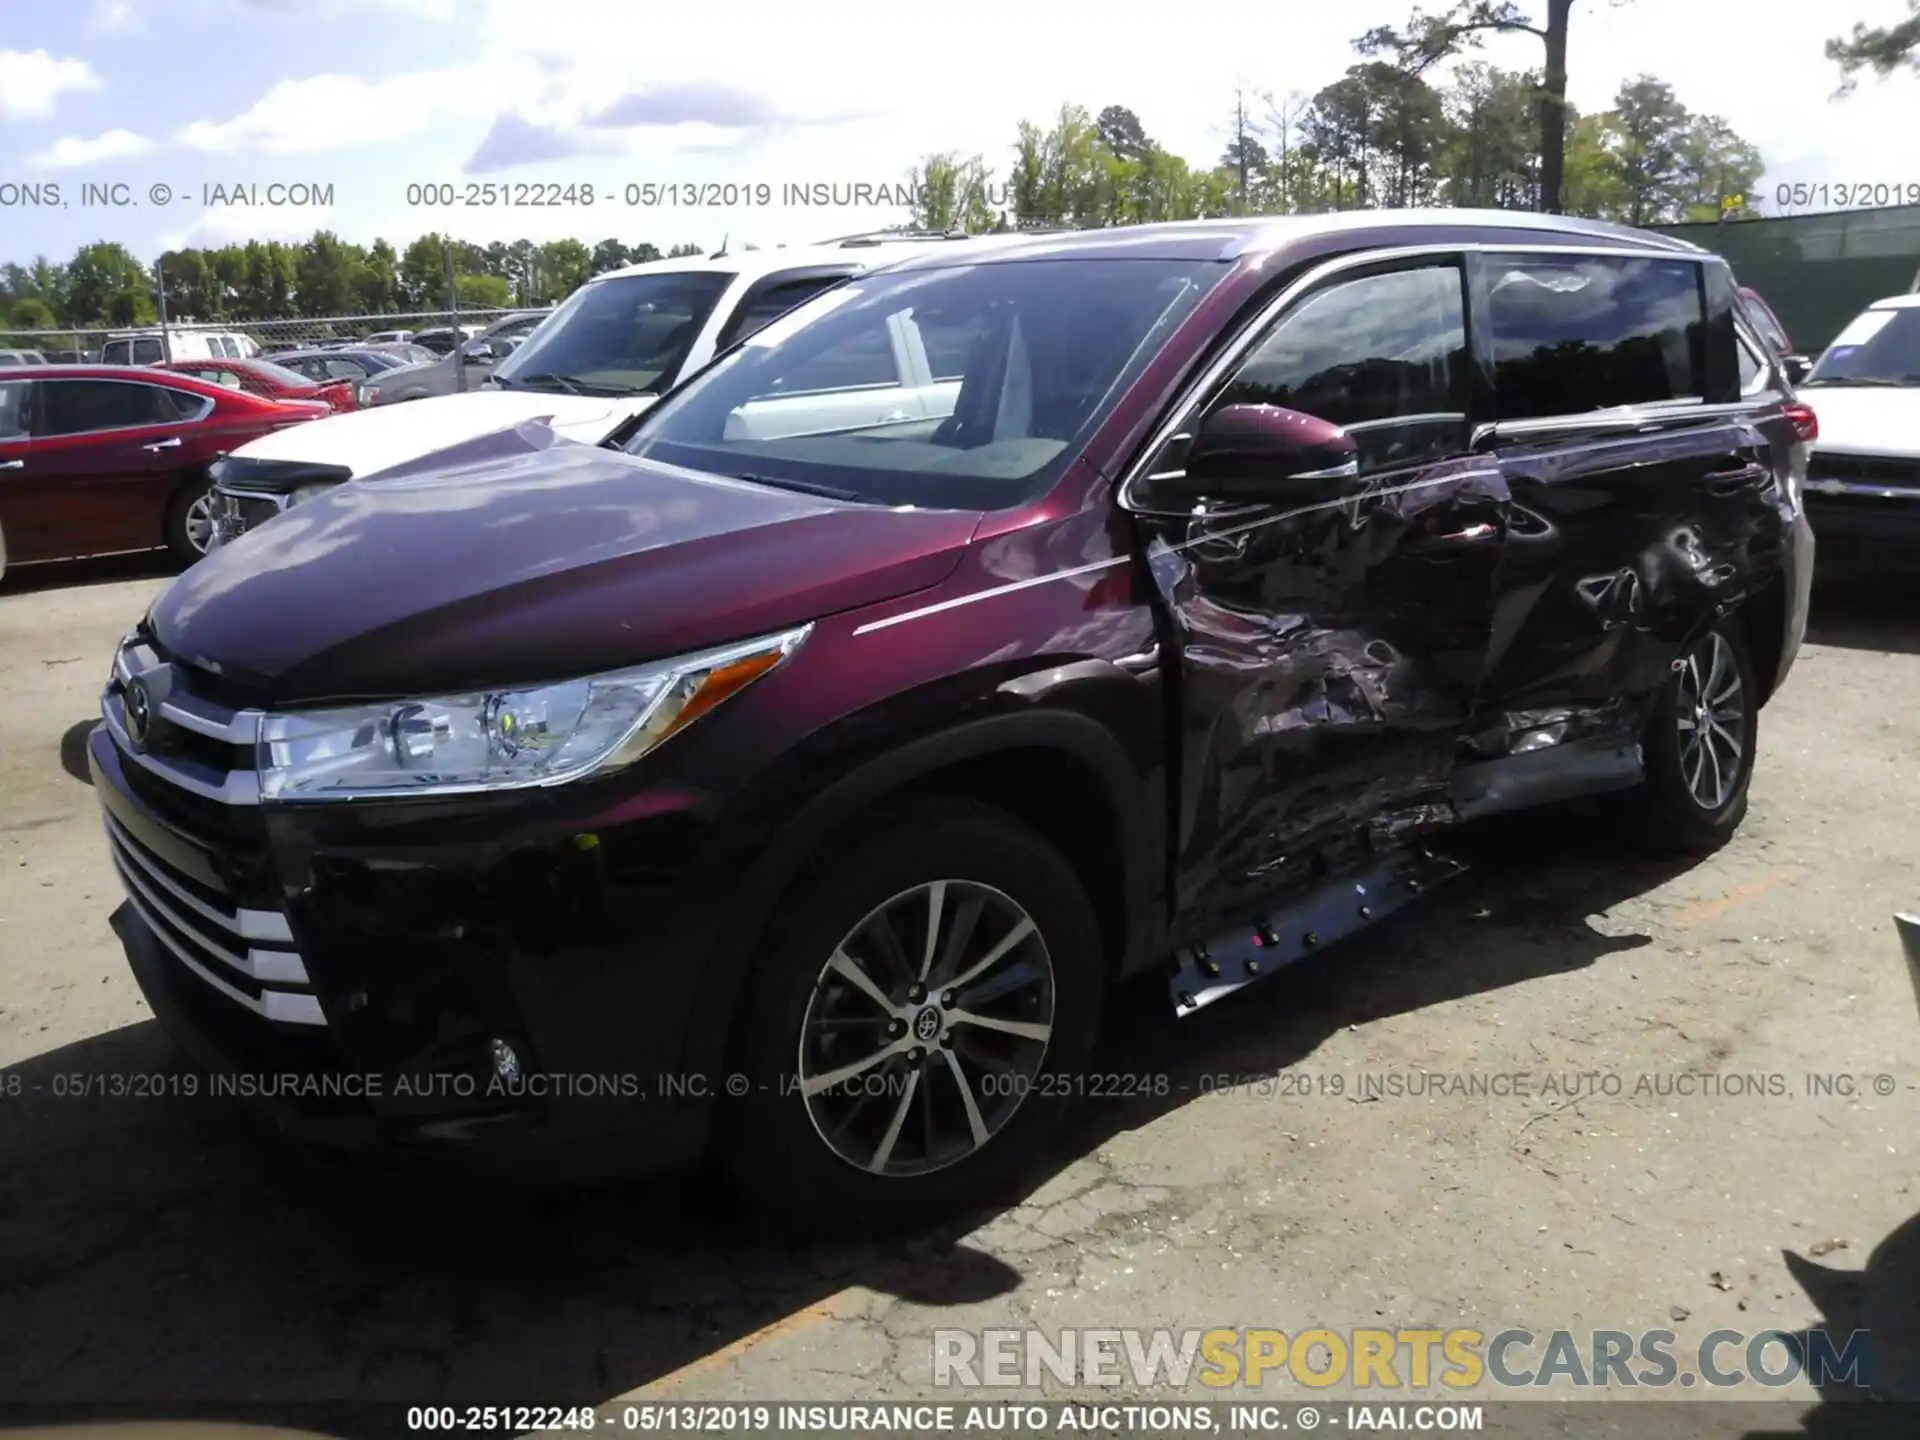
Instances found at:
x=882 y=237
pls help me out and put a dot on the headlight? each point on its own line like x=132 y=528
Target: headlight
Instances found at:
x=506 y=739
x=307 y=492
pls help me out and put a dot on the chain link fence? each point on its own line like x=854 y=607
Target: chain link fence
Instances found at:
x=74 y=346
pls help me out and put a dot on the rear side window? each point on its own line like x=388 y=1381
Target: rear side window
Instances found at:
x=73 y=407
x=948 y=342
x=117 y=352
x=768 y=302
x=343 y=370
x=188 y=406
x=147 y=352
x=1576 y=334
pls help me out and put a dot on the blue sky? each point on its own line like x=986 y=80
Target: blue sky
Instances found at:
x=367 y=96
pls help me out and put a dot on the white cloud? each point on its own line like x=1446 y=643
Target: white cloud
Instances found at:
x=323 y=113
x=233 y=225
x=72 y=151
x=32 y=80
x=116 y=17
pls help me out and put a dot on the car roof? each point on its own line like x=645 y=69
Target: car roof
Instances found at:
x=856 y=253
x=1235 y=239
x=152 y=374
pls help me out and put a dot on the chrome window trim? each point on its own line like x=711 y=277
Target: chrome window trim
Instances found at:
x=1196 y=394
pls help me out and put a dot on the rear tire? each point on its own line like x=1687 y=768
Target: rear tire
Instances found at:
x=1700 y=746
x=954 y=1069
x=189 y=522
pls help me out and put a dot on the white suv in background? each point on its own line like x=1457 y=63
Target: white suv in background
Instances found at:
x=605 y=354
x=143 y=347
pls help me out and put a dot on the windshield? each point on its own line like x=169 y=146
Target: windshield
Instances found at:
x=623 y=336
x=1880 y=347
x=962 y=388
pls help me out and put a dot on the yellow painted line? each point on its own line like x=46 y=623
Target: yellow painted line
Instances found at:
x=797 y=1322
x=1734 y=899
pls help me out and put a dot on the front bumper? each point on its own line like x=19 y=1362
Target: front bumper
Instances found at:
x=237 y=511
x=353 y=985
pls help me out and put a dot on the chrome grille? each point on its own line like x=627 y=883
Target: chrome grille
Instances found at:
x=202 y=748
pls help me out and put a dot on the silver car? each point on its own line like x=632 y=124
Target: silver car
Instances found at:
x=475 y=357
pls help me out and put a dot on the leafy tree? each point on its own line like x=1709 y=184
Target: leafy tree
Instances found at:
x=1122 y=133
x=191 y=289
x=482 y=292
x=564 y=268
x=609 y=255
x=323 y=275
x=423 y=273
x=1717 y=172
x=106 y=284
x=644 y=253
x=1882 y=49
x=1426 y=40
x=683 y=250
x=1487 y=155
x=30 y=312
x=951 y=194
x=1646 y=129
x=376 y=280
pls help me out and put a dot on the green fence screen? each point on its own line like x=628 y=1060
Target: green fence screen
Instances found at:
x=1816 y=272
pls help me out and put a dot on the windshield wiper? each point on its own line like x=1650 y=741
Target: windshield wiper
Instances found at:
x=541 y=382
x=830 y=492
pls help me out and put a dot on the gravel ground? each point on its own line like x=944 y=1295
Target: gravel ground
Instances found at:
x=161 y=1251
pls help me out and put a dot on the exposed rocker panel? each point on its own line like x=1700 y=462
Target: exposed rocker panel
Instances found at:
x=1541 y=777
x=1237 y=958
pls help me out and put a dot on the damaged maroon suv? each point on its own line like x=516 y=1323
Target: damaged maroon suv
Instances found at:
x=786 y=787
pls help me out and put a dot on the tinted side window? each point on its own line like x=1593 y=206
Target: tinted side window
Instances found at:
x=1384 y=356
x=344 y=370
x=1577 y=334
x=764 y=306
x=147 y=352
x=187 y=406
x=71 y=407
x=117 y=352
x=13 y=409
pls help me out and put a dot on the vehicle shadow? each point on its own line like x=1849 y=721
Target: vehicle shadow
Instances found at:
x=102 y=570
x=1863 y=612
x=158 y=1253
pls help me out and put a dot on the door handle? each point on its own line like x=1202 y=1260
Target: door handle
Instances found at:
x=13 y=464
x=173 y=443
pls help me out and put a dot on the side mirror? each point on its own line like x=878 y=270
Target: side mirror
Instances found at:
x=1262 y=452
x=1798 y=367
x=478 y=353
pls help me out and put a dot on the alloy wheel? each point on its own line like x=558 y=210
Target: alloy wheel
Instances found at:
x=1712 y=720
x=198 y=523
x=927 y=1028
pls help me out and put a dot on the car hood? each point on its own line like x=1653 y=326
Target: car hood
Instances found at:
x=1866 y=420
x=368 y=441
x=531 y=558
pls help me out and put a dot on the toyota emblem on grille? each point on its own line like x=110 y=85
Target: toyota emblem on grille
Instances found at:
x=139 y=712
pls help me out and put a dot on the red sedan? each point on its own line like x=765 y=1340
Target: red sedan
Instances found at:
x=98 y=459
x=275 y=382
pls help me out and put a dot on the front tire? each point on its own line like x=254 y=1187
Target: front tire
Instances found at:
x=189 y=522
x=909 y=1043
x=1700 y=746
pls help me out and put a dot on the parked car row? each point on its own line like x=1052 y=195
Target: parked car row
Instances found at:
x=896 y=673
